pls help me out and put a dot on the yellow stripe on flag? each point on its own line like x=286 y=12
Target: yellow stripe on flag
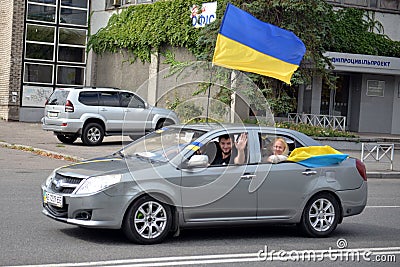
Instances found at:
x=231 y=54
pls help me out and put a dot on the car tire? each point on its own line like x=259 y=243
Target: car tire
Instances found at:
x=67 y=139
x=147 y=221
x=92 y=134
x=320 y=216
x=163 y=123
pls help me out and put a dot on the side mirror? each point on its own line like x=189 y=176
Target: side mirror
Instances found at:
x=198 y=161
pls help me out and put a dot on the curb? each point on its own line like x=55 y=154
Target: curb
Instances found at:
x=383 y=175
x=41 y=152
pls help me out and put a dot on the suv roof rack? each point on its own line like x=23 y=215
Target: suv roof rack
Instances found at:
x=95 y=87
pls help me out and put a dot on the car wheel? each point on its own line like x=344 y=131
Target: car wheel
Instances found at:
x=67 y=139
x=135 y=137
x=320 y=216
x=147 y=221
x=92 y=134
x=163 y=123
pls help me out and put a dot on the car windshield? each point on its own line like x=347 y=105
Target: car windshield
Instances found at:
x=162 y=145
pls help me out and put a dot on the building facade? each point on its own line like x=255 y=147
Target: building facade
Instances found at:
x=44 y=47
x=45 y=44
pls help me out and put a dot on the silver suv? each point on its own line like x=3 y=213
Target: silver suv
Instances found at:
x=92 y=113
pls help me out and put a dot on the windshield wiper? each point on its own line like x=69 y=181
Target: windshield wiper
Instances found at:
x=119 y=153
x=149 y=159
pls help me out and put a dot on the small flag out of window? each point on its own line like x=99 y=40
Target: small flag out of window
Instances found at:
x=248 y=44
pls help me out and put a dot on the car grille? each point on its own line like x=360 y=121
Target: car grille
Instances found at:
x=56 y=211
x=64 y=184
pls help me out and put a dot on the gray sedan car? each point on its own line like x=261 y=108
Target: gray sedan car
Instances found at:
x=169 y=180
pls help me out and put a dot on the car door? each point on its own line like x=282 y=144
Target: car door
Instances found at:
x=111 y=111
x=282 y=187
x=218 y=193
x=137 y=118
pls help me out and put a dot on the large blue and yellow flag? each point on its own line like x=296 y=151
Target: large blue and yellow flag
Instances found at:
x=248 y=44
x=316 y=156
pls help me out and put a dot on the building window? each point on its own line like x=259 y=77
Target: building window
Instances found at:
x=392 y=5
x=119 y=3
x=68 y=75
x=40 y=42
x=38 y=73
x=74 y=3
x=55 y=45
x=72 y=43
x=73 y=16
x=41 y=13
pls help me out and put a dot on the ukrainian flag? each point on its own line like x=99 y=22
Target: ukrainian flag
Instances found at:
x=248 y=44
x=316 y=156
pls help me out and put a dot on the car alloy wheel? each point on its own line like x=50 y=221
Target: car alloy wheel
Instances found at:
x=148 y=221
x=321 y=215
x=93 y=134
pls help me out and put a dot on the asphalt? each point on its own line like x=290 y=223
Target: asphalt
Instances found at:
x=30 y=137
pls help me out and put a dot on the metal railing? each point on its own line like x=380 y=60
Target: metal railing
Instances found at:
x=377 y=152
x=325 y=121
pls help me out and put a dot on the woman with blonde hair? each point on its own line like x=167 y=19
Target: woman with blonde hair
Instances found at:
x=280 y=149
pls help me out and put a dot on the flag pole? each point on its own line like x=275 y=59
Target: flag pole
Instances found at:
x=208 y=94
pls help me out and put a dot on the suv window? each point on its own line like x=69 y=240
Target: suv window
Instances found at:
x=109 y=99
x=131 y=100
x=89 y=98
x=58 y=97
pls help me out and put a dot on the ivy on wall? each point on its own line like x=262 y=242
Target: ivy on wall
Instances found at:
x=142 y=28
x=355 y=31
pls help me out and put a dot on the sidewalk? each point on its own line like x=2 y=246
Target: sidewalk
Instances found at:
x=31 y=135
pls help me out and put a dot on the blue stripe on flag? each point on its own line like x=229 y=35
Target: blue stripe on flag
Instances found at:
x=266 y=38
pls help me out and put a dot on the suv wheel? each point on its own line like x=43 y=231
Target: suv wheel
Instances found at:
x=67 y=139
x=92 y=134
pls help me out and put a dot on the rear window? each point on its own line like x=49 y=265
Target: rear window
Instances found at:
x=58 y=97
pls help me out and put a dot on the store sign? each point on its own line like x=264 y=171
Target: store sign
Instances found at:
x=204 y=15
x=364 y=63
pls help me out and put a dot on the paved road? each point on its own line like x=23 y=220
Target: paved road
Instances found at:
x=29 y=238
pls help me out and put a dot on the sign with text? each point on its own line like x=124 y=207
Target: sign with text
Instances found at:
x=375 y=88
x=364 y=63
x=204 y=15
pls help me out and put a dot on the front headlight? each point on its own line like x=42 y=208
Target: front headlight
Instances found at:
x=97 y=183
x=49 y=179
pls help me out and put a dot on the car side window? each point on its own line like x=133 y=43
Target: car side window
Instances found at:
x=136 y=102
x=109 y=99
x=89 y=98
x=226 y=150
x=268 y=144
x=130 y=100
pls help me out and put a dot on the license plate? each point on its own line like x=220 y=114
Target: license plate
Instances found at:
x=52 y=199
x=51 y=114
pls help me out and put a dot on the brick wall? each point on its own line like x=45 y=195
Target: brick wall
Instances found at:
x=11 y=43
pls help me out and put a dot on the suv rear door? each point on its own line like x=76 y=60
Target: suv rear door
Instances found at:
x=55 y=107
